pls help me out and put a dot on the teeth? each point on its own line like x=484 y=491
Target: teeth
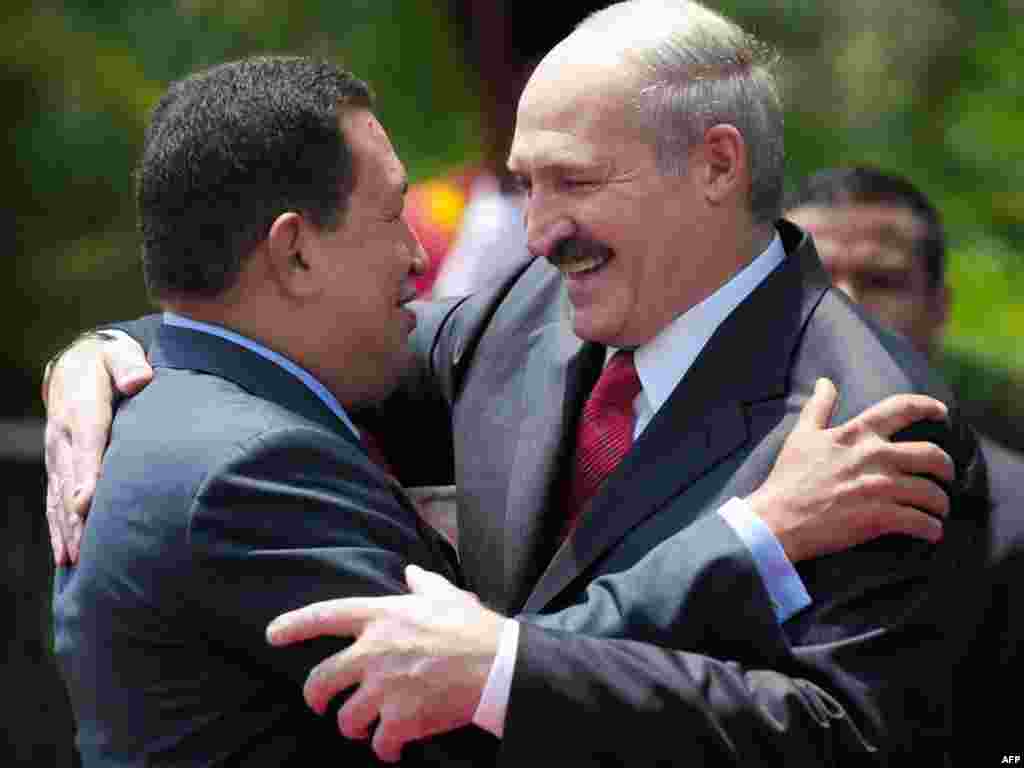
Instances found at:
x=584 y=264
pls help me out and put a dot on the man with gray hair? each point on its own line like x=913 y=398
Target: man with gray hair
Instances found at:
x=649 y=146
x=592 y=453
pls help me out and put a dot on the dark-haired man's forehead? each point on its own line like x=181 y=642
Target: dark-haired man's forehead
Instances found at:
x=894 y=224
x=859 y=236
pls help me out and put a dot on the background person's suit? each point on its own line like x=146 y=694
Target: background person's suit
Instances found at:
x=229 y=493
x=864 y=671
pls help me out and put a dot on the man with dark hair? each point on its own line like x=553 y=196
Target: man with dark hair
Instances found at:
x=883 y=243
x=270 y=202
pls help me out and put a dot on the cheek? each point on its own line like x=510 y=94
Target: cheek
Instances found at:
x=899 y=313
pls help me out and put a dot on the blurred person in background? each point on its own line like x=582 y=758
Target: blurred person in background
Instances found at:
x=883 y=243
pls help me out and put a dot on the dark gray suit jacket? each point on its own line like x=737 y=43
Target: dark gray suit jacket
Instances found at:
x=861 y=677
x=229 y=494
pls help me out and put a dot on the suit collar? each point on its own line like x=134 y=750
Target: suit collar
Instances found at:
x=749 y=356
x=662 y=362
x=185 y=348
x=747 y=360
x=561 y=371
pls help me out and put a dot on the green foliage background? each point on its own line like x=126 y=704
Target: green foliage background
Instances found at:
x=928 y=88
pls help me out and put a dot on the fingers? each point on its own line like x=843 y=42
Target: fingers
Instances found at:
x=90 y=432
x=895 y=413
x=398 y=721
x=61 y=508
x=333 y=675
x=388 y=741
x=817 y=411
x=907 y=490
x=428 y=583
x=401 y=722
x=919 y=458
x=901 y=519
x=344 y=617
x=126 y=363
x=357 y=715
x=53 y=513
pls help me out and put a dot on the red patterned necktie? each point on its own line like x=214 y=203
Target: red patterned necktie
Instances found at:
x=605 y=432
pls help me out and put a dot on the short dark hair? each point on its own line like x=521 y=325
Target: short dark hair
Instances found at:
x=229 y=149
x=865 y=185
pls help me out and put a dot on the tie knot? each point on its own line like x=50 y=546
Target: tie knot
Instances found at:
x=618 y=382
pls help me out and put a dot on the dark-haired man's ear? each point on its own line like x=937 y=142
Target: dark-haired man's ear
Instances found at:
x=288 y=245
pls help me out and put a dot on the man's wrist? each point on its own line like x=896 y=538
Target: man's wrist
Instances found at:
x=785 y=589
x=490 y=712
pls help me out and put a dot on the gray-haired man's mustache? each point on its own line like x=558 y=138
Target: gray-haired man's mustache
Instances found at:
x=576 y=250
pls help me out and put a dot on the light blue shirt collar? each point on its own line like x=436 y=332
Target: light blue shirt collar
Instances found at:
x=662 y=362
x=297 y=371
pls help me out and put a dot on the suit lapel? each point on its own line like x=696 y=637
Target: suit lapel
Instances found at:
x=184 y=348
x=704 y=422
x=560 y=371
x=177 y=347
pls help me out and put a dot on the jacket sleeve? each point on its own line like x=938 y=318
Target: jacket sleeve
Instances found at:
x=862 y=677
x=294 y=514
x=292 y=518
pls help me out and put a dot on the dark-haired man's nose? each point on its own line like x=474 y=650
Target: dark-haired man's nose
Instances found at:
x=420 y=260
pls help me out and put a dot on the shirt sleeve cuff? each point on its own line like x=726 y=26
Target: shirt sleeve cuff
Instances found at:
x=490 y=712
x=785 y=588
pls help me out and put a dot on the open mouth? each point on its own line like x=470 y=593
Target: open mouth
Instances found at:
x=576 y=256
x=408 y=293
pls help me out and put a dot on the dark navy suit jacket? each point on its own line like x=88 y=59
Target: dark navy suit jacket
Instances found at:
x=229 y=494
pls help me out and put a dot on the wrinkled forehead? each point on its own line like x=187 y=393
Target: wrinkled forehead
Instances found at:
x=570 y=102
x=852 y=236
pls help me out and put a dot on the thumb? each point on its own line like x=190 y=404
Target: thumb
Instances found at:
x=126 y=362
x=428 y=583
x=817 y=411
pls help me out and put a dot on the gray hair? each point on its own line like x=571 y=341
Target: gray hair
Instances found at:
x=698 y=70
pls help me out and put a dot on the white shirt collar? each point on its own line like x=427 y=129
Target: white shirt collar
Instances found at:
x=662 y=362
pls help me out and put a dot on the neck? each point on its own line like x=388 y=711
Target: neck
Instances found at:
x=251 y=319
x=762 y=236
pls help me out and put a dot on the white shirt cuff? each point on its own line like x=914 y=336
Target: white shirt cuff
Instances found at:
x=785 y=588
x=490 y=712
x=780 y=578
